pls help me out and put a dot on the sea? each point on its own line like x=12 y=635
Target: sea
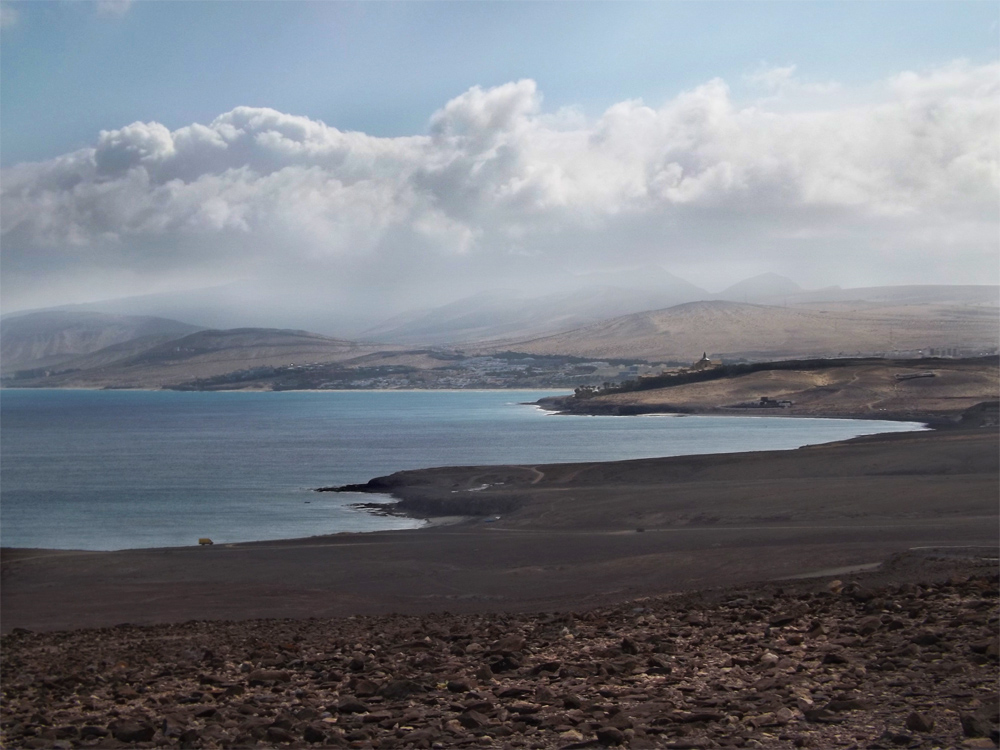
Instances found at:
x=108 y=470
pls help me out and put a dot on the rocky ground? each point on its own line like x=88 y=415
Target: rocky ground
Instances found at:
x=852 y=664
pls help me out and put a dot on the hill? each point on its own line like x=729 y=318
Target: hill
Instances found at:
x=199 y=355
x=51 y=338
x=510 y=314
x=936 y=390
x=734 y=330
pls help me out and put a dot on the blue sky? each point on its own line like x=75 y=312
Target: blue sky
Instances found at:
x=68 y=70
x=397 y=154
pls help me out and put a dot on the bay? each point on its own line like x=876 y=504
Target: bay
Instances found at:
x=105 y=470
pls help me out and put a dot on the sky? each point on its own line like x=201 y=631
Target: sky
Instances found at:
x=377 y=156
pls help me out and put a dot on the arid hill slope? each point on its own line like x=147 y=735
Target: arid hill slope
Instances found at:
x=202 y=355
x=47 y=339
x=875 y=388
x=760 y=332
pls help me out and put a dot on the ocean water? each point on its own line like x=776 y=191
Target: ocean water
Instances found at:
x=109 y=470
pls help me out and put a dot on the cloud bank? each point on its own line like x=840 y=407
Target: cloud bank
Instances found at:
x=895 y=183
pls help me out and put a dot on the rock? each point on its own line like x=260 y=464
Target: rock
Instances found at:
x=313 y=734
x=352 y=706
x=979 y=742
x=362 y=687
x=786 y=618
x=510 y=644
x=610 y=736
x=835 y=657
x=975 y=725
x=846 y=705
x=461 y=685
x=917 y=722
x=263 y=676
x=629 y=646
x=926 y=638
x=277 y=734
x=472 y=720
x=767 y=659
x=132 y=731
x=399 y=689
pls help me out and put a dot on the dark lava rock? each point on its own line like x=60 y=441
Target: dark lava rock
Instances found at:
x=132 y=731
x=313 y=734
x=610 y=736
x=399 y=689
x=917 y=722
x=352 y=706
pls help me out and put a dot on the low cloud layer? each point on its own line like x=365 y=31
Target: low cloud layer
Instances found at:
x=895 y=183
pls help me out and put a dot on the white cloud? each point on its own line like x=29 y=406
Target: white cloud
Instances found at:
x=115 y=8
x=888 y=186
x=8 y=15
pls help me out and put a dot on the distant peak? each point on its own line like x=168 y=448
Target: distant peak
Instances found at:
x=761 y=287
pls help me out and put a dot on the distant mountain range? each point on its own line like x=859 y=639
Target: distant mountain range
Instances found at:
x=514 y=317
x=656 y=321
x=737 y=330
x=152 y=360
x=48 y=339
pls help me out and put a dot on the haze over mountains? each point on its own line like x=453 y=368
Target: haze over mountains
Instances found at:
x=645 y=315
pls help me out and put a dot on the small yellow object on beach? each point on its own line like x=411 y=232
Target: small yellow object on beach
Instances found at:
x=205 y=540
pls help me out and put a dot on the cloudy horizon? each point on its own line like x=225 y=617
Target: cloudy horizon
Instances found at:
x=888 y=180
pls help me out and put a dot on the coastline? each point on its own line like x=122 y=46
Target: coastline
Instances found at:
x=568 y=535
x=766 y=599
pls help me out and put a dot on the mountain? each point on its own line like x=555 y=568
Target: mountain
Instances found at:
x=48 y=339
x=203 y=354
x=768 y=287
x=512 y=314
x=912 y=294
x=736 y=330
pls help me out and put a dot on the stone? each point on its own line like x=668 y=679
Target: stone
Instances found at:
x=362 y=688
x=262 y=676
x=352 y=706
x=629 y=646
x=846 y=705
x=277 y=734
x=610 y=736
x=399 y=689
x=313 y=734
x=510 y=644
x=132 y=731
x=472 y=720
x=979 y=742
x=975 y=725
x=917 y=722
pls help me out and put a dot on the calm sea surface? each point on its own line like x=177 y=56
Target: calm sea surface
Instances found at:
x=119 y=469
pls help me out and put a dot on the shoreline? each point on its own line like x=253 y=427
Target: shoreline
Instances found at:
x=567 y=536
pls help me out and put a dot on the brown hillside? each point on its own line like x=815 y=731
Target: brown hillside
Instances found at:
x=760 y=332
x=871 y=388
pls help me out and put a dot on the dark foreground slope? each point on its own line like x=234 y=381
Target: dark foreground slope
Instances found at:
x=809 y=664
